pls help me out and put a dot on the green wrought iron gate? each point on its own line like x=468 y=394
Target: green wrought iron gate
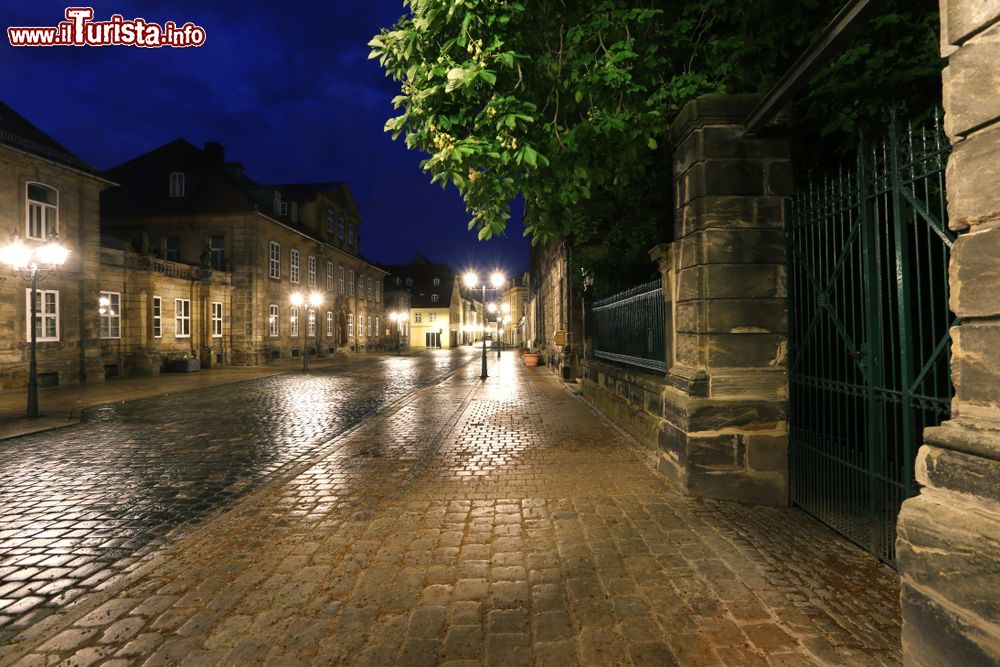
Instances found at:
x=868 y=332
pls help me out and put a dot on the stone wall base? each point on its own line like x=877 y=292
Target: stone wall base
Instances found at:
x=711 y=448
x=725 y=449
x=947 y=546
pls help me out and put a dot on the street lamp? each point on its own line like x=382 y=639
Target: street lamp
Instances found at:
x=472 y=281
x=34 y=263
x=312 y=303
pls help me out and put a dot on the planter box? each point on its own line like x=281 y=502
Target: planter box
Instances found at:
x=183 y=365
x=531 y=359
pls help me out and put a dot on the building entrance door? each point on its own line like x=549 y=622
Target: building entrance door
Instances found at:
x=432 y=339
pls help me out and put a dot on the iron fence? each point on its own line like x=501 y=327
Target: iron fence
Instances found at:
x=869 y=331
x=629 y=327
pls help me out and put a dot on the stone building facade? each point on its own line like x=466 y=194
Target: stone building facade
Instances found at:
x=554 y=315
x=182 y=204
x=515 y=300
x=152 y=312
x=949 y=536
x=46 y=189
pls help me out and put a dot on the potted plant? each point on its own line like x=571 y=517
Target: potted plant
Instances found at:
x=187 y=363
x=531 y=357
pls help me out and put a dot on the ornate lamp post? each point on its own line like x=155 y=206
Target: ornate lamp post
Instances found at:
x=312 y=304
x=34 y=263
x=472 y=281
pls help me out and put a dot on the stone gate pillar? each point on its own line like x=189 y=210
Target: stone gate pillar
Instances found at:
x=723 y=432
x=948 y=546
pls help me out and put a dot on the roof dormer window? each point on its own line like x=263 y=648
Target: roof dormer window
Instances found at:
x=277 y=202
x=177 y=184
x=437 y=281
x=295 y=212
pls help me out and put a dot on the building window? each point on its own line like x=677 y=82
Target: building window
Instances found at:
x=216 y=319
x=43 y=211
x=274 y=267
x=277 y=202
x=177 y=184
x=432 y=317
x=370 y=293
x=417 y=317
x=350 y=235
x=340 y=228
x=109 y=307
x=378 y=332
x=46 y=314
x=182 y=318
x=217 y=252
x=311 y=263
x=409 y=282
x=310 y=323
x=340 y=279
x=329 y=324
x=434 y=298
x=361 y=286
x=157 y=317
x=284 y=208
x=295 y=321
x=329 y=276
x=378 y=291
x=329 y=221
x=172 y=249
x=436 y=281
x=295 y=212
x=369 y=326
x=350 y=283
x=294 y=257
x=272 y=320
x=350 y=324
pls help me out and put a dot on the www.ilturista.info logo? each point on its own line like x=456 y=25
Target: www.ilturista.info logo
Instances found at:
x=79 y=29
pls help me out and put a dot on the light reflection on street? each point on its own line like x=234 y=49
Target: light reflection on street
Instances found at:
x=78 y=505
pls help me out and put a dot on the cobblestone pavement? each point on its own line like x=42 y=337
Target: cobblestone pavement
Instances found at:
x=501 y=524
x=80 y=506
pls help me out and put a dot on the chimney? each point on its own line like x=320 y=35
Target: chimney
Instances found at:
x=216 y=151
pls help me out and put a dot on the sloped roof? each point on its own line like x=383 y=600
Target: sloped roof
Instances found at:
x=422 y=273
x=17 y=132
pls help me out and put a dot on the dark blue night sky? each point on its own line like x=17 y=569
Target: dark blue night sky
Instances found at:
x=287 y=87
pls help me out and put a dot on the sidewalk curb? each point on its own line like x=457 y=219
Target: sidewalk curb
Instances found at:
x=32 y=637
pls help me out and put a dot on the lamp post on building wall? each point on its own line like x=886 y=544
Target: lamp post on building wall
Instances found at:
x=312 y=304
x=472 y=281
x=34 y=263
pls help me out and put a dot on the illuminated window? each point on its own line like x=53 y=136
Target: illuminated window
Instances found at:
x=109 y=308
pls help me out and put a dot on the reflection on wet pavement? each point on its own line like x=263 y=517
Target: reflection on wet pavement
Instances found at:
x=80 y=506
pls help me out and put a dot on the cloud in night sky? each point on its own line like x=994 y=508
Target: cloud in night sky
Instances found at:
x=287 y=87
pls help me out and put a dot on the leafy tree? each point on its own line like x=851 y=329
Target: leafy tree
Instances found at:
x=566 y=103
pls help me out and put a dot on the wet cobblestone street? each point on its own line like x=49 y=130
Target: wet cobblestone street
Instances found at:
x=80 y=506
x=502 y=523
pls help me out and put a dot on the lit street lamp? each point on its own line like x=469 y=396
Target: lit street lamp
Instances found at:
x=472 y=281
x=33 y=262
x=312 y=303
